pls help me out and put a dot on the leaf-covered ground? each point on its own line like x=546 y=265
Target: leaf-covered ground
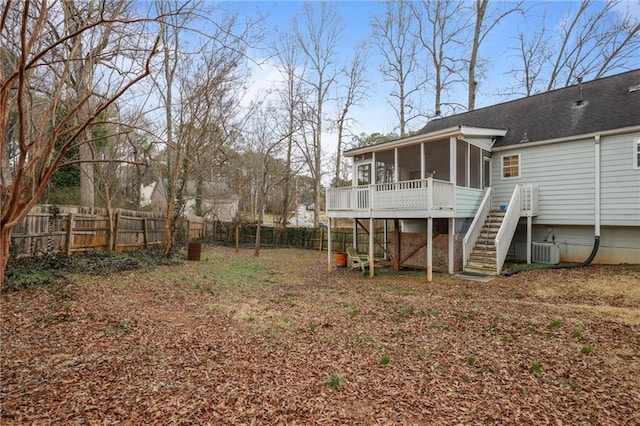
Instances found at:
x=235 y=339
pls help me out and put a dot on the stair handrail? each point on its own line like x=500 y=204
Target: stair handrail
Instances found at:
x=471 y=237
x=508 y=228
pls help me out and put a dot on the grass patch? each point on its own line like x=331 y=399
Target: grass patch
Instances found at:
x=385 y=359
x=440 y=325
x=535 y=368
x=556 y=324
x=587 y=350
x=335 y=381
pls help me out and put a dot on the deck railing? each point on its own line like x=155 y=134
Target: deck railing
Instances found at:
x=423 y=194
x=524 y=202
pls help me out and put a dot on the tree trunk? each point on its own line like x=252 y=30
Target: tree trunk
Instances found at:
x=5 y=242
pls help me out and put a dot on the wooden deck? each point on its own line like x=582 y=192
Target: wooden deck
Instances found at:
x=408 y=199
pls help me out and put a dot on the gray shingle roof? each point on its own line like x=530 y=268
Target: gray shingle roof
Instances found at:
x=607 y=104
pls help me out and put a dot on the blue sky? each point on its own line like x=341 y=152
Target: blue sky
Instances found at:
x=377 y=115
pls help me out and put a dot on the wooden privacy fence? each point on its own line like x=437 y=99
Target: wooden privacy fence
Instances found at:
x=73 y=229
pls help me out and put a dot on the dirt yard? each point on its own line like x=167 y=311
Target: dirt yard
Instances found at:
x=235 y=339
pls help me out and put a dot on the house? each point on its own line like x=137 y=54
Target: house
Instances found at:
x=212 y=200
x=553 y=177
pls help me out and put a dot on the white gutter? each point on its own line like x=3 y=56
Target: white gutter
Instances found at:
x=630 y=129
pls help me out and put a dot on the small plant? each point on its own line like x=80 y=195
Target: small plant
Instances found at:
x=430 y=312
x=465 y=295
x=536 y=368
x=407 y=310
x=587 y=350
x=471 y=360
x=576 y=335
x=385 y=360
x=123 y=327
x=196 y=286
x=443 y=326
x=251 y=318
x=335 y=381
x=311 y=326
x=556 y=323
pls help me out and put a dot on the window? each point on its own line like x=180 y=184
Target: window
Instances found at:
x=511 y=166
x=364 y=174
x=636 y=153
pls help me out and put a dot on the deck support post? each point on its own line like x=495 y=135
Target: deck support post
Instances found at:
x=371 y=235
x=396 y=237
x=355 y=234
x=430 y=249
x=452 y=234
x=386 y=239
x=529 y=239
x=329 y=247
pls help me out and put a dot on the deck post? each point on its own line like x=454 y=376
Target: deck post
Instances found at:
x=371 y=265
x=396 y=237
x=452 y=234
x=430 y=249
x=355 y=234
x=528 y=238
x=329 y=247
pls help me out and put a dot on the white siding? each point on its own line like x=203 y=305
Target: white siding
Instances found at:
x=620 y=182
x=467 y=201
x=565 y=175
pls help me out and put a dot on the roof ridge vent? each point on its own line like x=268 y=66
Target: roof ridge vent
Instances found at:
x=635 y=88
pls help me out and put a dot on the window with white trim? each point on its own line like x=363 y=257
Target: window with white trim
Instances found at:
x=511 y=166
x=636 y=153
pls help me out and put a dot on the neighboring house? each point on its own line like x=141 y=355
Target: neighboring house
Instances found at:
x=555 y=174
x=303 y=217
x=217 y=201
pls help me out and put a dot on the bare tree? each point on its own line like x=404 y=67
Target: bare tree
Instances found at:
x=318 y=33
x=485 y=21
x=442 y=30
x=353 y=92
x=197 y=95
x=88 y=50
x=533 y=54
x=266 y=138
x=396 y=41
x=34 y=88
x=288 y=59
x=592 y=39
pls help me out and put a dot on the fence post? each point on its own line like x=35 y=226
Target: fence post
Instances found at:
x=69 y=232
x=116 y=230
x=145 y=225
x=237 y=235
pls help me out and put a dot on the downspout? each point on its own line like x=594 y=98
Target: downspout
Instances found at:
x=596 y=242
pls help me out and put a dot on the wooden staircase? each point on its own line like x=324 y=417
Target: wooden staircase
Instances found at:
x=483 y=256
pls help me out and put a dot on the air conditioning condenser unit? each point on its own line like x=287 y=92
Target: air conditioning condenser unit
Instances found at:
x=545 y=253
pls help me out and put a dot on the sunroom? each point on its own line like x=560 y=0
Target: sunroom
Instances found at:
x=429 y=175
x=440 y=175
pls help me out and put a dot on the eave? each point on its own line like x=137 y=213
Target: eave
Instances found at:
x=462 y=131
